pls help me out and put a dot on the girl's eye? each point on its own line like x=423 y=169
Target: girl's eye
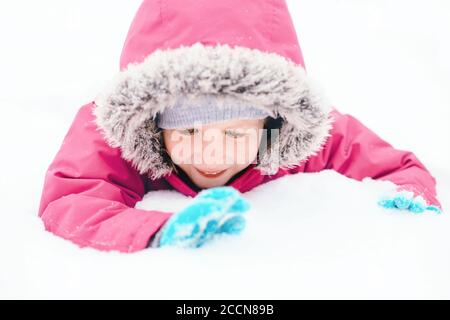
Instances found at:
x=234 y=134
x=189 y=132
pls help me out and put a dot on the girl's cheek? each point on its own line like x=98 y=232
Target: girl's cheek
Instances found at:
x=181 y=152
x=242 y=151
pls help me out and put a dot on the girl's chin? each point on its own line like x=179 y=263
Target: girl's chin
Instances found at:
x=204 y=182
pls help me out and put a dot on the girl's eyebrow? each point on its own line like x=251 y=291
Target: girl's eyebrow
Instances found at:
x=240 y=126
x=231 y=127
x=236 y=128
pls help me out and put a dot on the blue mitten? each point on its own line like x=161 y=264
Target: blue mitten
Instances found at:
x=405 y=200
x=213 y=211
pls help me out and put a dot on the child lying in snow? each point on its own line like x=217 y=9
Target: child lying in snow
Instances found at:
x=186 y=112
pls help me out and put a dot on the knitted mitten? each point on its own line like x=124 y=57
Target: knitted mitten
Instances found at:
x=213 y=211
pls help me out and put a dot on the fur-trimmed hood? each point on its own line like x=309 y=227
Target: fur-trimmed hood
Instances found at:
x=247 y=51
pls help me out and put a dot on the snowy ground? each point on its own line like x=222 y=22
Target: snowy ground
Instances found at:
x=384 y=62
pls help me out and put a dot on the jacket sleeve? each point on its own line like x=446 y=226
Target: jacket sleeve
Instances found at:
x=90 y=191
x=357 y=152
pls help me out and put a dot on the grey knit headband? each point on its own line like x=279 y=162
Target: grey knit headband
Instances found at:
x=206 y=109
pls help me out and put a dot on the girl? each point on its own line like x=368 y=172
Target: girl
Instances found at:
x=189 y=68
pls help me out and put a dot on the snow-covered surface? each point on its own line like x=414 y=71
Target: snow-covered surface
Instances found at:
x=308 y=236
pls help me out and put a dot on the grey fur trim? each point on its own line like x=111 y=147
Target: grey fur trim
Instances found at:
x=127 y=109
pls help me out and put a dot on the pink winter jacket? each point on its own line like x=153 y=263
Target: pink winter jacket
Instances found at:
x=90 y=189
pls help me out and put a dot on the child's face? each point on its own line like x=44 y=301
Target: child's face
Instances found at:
x=211 y=154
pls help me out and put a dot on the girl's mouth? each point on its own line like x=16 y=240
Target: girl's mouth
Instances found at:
x=210 y=174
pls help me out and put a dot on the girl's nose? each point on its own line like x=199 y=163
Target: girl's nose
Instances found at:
x=212 y=156
x=211 y=160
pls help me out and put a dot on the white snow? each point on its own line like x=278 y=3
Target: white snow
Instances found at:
x=308 y=236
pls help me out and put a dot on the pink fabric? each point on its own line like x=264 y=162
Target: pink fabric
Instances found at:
x=265 y=25
x=90 y=191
